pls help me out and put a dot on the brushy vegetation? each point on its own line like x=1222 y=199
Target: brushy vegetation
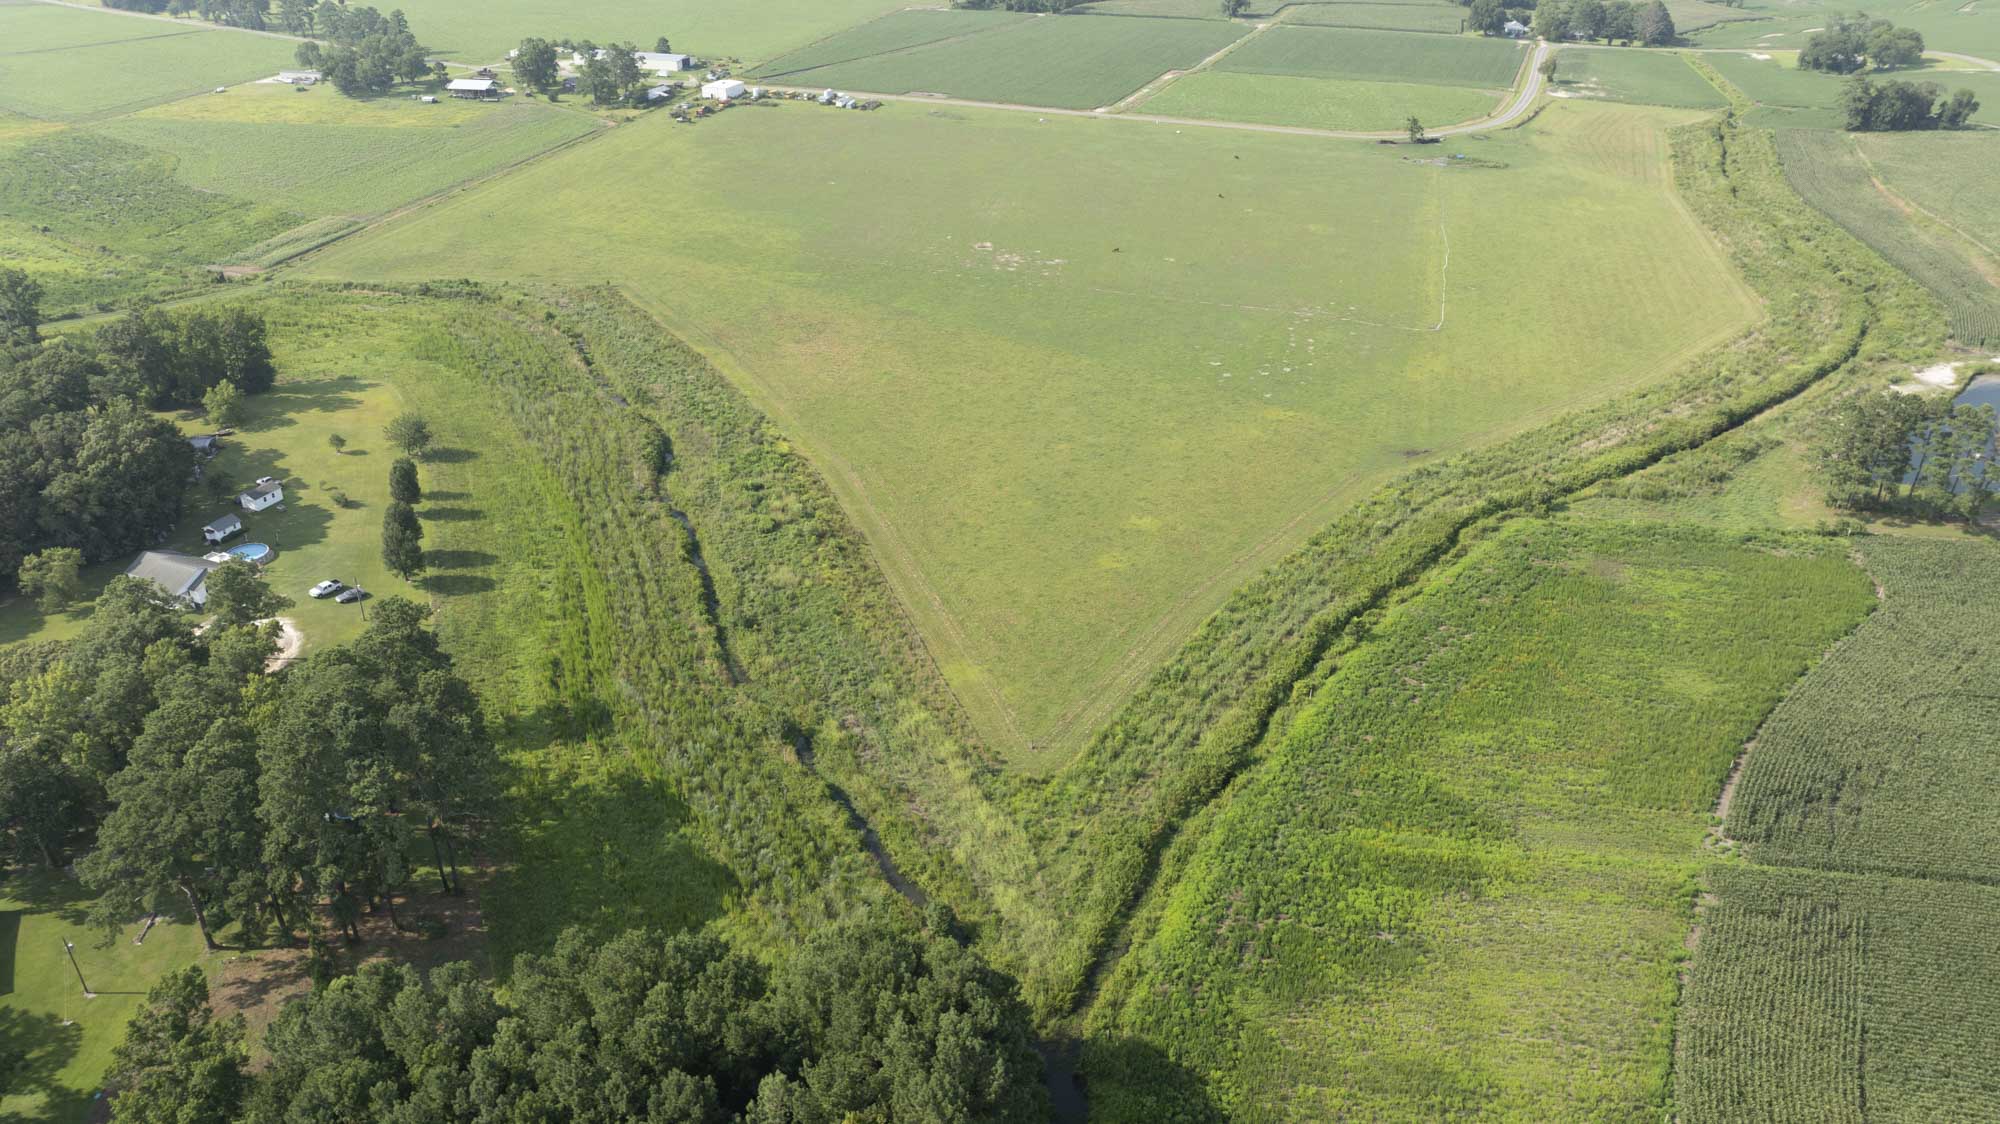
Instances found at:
x=1827 y=169
x=1843 y=782
x=1475 y=841
x=1076 y=62
x=1840 y=998
x=1382 y=56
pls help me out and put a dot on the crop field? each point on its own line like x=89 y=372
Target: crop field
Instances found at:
x=271 y=144
x=75 y=82
x=1947 y=174
x=1075 y=62
x=1970 y=28
x=1882 y=760
x=1694 y=15
x=1381 y=56
x=1008 y=364
x=1642 y=77
x=1830 y=170
x=897 y=31
x=1458 y=886
x=750 y=30
x=1321 y=103
x=1447 y=19
x=1841 y=998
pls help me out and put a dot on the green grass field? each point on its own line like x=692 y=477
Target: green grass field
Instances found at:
x=57 y=1043
x=1969 y=28
x=1833 y=171
x=1642 y=77
x=271 y=144
x=1075 y=62
x=751 y=30
x=898 y=31
x=1447 y=19
x=1320 y=103
x=1009 y=365
x=1381 y=56
x=64 y=64
x=1459 y=884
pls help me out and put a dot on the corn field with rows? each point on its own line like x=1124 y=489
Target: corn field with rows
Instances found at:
x=1884 y=758
x=1837 y=998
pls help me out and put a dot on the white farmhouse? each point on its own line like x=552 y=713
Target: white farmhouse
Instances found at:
x=473 y=88
x=722 y=89
x=266 y=493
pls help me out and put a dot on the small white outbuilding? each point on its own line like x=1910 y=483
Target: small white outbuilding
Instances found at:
x=722 y=89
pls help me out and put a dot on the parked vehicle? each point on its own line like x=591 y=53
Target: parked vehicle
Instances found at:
x=327 y=588
x=349 y=595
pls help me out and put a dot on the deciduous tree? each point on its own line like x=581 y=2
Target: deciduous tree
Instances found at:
x=403 y=484
x=178 y=1063
x=55 y=576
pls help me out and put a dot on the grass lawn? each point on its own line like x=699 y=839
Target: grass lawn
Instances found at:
x=1644 y=77
x=1075 y=62
x=1068 y=417
x=1381 y=56
x=1447 y=19
x=898 y=31
x=751 y=30
x=1321 y=103
x=65 y=1041
x=114 y=64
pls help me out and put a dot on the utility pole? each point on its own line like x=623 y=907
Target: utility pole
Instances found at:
x=71 y=949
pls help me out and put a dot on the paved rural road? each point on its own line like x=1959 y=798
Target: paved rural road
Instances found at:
x=1523 y=99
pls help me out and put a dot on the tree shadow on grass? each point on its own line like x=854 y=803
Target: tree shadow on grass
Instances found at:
x=1128 y=1079
x=51 y=892
x=450 y=456
x=273 y=408
x=34 y=1048
x=452 y=514
x=446 y=497
x=459 y=559
x=457 y=585
x=593 y=844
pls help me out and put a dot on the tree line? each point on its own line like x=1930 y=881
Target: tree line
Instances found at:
x=872 y=1019
x=611 y=75
x=1849 y=45
x=367 y=52
x=1896 y=106
x=85 y=465
x=1616 y=21
x=1908 y=454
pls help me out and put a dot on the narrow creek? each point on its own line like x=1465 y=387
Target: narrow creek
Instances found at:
x=1068 y=1103
x=709 y=601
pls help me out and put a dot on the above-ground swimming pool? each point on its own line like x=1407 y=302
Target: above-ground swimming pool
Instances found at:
x=252 y=552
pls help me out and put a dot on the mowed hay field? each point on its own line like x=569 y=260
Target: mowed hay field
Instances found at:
x=1447 y=19
x=1641 y=77
x=898 y=31
x=1076 y=378
x=1459 y=884
x=322 y=154
x=750 y=30
x=1072 y=62
x=1381 y=56
x=1947 y=174
x=63 y=64
x=1318 y=103
x=124 y=206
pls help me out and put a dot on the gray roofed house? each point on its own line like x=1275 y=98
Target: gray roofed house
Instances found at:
x=266 y=493
x=208 y=444
x=222 y=528
x=183 y=577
